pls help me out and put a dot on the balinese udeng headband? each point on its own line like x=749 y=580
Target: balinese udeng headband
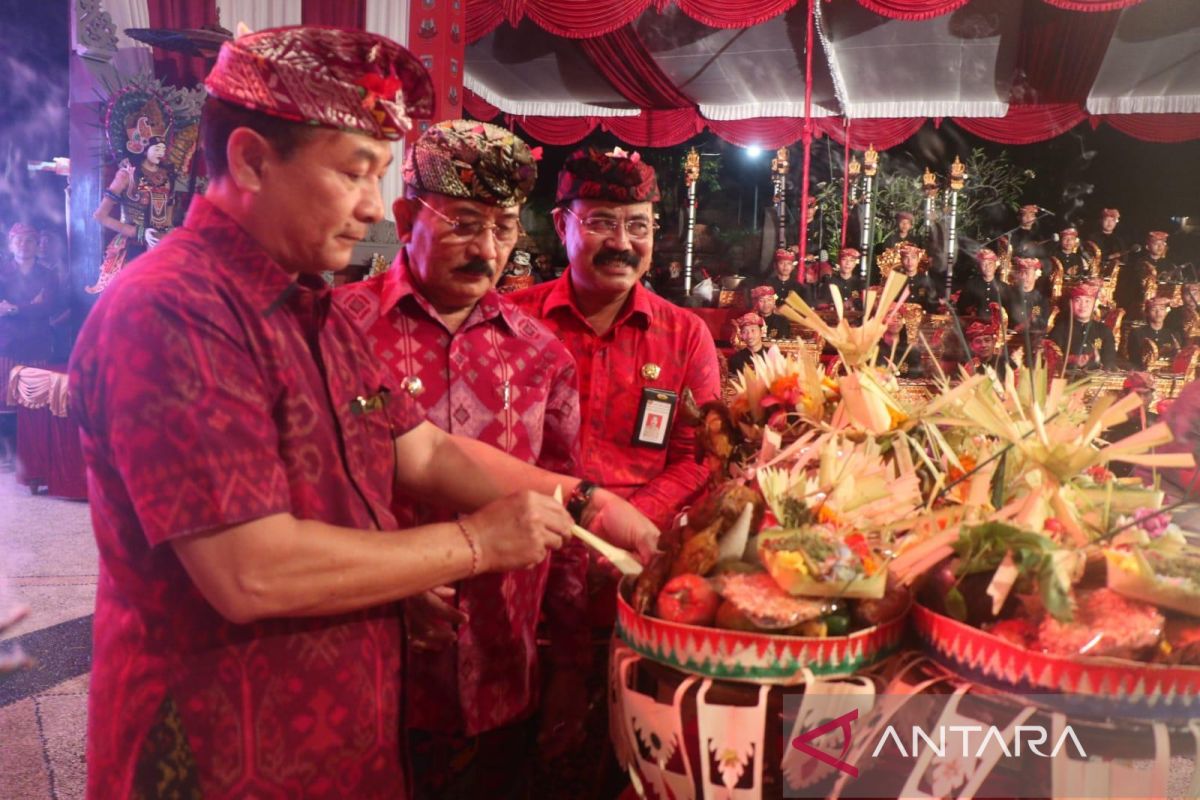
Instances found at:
x=474 y=161
x=618 y=176
x=342 y=79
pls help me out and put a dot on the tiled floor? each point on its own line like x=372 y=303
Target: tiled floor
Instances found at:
x=48 y=562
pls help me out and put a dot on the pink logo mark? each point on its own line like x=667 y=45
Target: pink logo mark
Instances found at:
x=801 y=742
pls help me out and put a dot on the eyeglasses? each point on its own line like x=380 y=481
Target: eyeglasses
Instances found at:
x=607 y=226
x=506 y=231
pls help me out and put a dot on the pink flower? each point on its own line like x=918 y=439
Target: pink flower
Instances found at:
x=1152 y=522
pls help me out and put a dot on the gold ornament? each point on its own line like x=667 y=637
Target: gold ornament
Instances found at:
x=651 y=371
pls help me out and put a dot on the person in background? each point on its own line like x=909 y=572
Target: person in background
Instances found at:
x=637 y=355
x=1153 y=340
x=1184 y=320
x=921 y=288
x=903 y=233
x=244 y=447
x=1139 y=279
x=762 y=299
x=1085 y=343
x=847 y=279
x=29 y=301
x=783 y=279
x=981 y=290
x=1026 y=239
x=749 y=327
x=1111 y=244
x=1026 y=306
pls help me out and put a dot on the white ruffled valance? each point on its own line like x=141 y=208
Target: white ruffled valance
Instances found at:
x=543 y=108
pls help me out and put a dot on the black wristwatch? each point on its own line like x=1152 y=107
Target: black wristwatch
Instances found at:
x=581 y=495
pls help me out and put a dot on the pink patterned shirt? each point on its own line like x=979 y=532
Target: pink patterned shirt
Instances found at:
x=201 y=406
x=503 y=379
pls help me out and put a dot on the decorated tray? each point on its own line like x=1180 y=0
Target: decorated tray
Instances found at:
x=1116 y=686
x=754 y=657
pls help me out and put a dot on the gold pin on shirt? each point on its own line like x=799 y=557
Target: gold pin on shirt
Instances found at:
x=651 y=371
x=412 y=385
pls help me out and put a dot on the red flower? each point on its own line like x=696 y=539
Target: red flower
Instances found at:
x=536 y=153
x=382 y=85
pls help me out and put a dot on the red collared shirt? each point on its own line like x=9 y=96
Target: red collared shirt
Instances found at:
x=501 y=378
x=648 y=332
x=211 y=389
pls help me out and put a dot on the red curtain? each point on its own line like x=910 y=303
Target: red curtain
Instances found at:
x=1164 y=128
x=555 y=130
x=583 y=19
x=337 y=13
x=1093 y=5
x=479 y=108
x=880 y=133
x=1059 y=54
x=176 y=68
x=622 y=58
x=656 y=128
x=771 y=132
x=912 y=9
x=1026 y=124
x=733 y=13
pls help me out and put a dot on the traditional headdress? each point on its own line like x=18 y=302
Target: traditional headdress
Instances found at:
x=985 y=255
x=750 y=318
x=593 y=174
x=1028 y=264
x=848 y=251
x=1157 y=236
x=904 y=215
x=472 y=160
x=1069 y=231
x=1110 y=212
x=1029 y=208
x=759 y=292
x=1160 y=300
x=135 y=119
x=1083 y=289
x=22 y=229
x=342 y=79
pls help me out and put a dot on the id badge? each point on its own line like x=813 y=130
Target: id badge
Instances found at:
x=654 y=417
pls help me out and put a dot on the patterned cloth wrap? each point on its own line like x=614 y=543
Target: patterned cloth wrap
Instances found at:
x=474 y=161
x=342 y=79
x=618 y=176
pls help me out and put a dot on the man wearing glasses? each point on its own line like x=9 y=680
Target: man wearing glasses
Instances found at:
x=481 y=368
x=636 y=355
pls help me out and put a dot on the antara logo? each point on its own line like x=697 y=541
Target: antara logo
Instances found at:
x=1031 y=736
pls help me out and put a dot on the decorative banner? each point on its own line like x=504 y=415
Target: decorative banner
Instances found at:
x=437 y=36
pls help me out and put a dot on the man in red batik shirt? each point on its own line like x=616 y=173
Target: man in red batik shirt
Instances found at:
x=636 y=355
x=243 y=449
x=477 y=366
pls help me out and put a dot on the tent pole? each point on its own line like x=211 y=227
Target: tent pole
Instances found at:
x=806 y=135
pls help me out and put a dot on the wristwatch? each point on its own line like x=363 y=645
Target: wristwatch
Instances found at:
x=581 y=495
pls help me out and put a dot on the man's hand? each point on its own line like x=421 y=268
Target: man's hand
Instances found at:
x=619 y=522
x=564 y=711
x=432 y=621
x=152 y=238
x=517 y=531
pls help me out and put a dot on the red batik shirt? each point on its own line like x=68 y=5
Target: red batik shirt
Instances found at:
x=649 y=332
x=211 y=389
x=503 y=379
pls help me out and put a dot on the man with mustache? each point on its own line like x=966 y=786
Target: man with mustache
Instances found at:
x=636 y=354
x=479 y=367
x=244 y=446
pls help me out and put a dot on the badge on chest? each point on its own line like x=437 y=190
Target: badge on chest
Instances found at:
x=655 y=414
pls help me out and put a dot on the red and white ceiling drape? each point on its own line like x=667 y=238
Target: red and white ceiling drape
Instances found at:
x=1060 y=47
